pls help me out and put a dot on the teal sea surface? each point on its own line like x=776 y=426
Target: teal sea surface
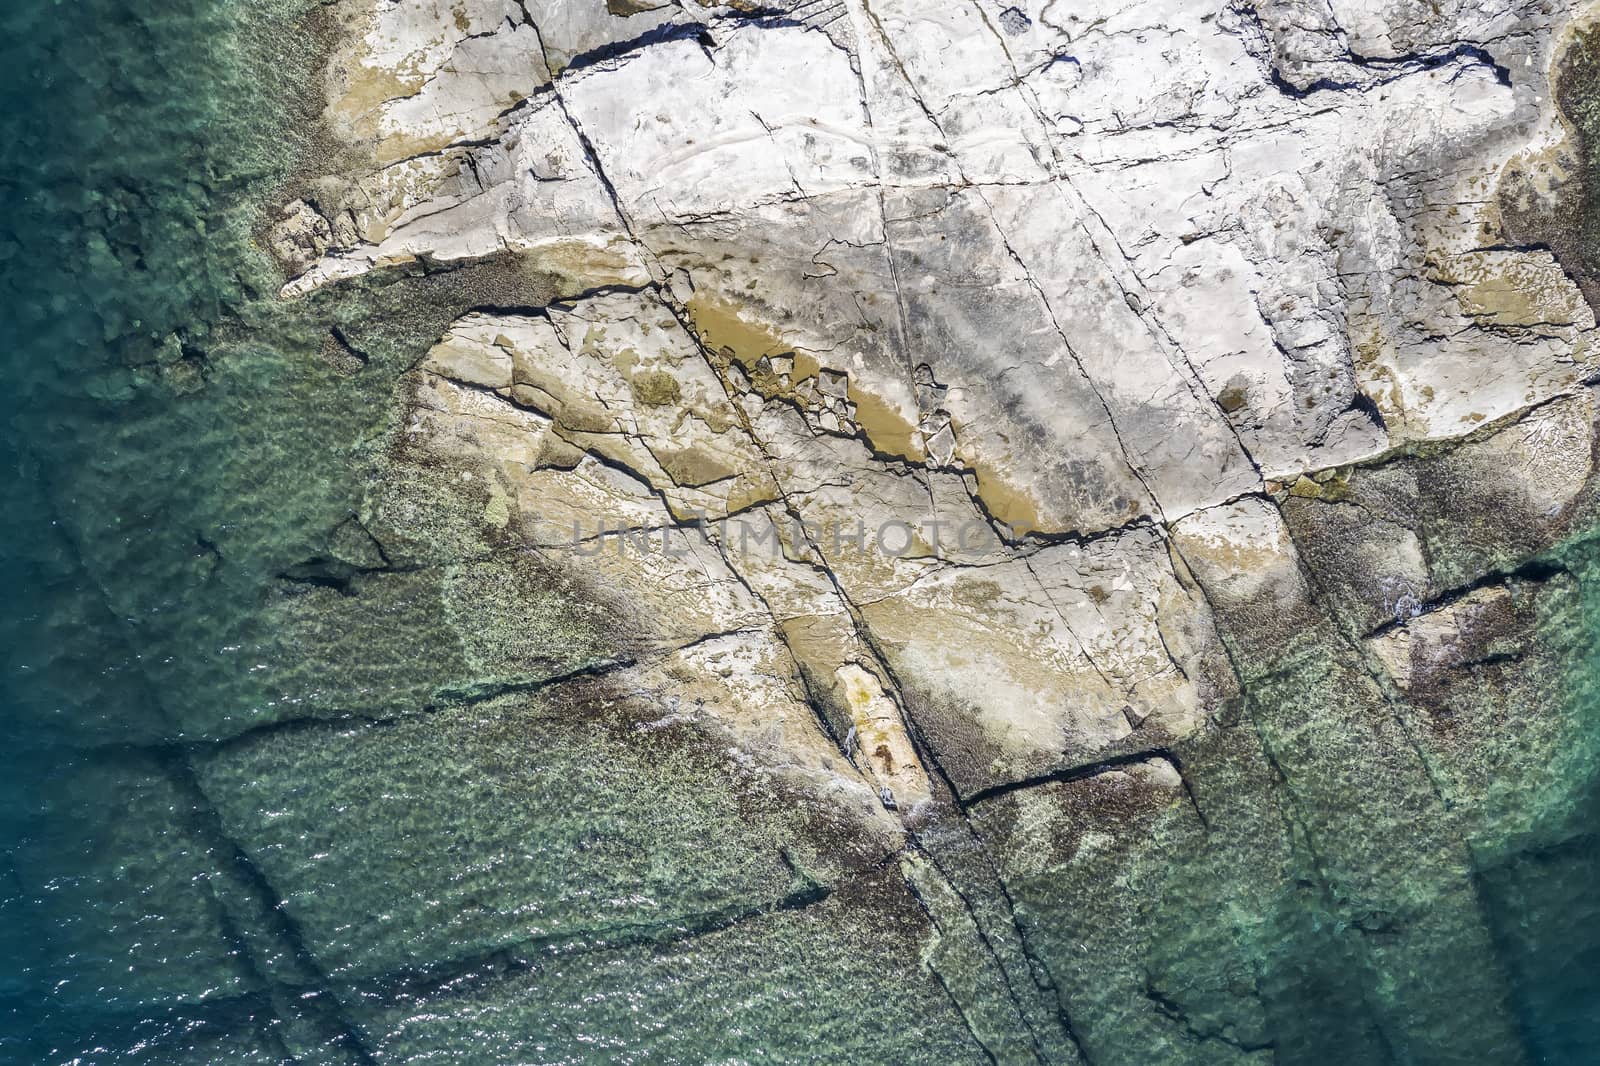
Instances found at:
x=137 y=138
x=180 y=447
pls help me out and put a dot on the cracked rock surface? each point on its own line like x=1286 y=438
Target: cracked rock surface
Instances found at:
x=1032 y=533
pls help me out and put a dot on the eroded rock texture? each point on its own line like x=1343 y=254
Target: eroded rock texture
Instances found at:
x=1010 y=531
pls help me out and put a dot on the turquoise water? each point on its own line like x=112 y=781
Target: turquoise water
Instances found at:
x=182 y=574
x=1541 y=898
x=134 y=136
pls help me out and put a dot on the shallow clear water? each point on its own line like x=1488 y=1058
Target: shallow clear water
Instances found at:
x=174 y=442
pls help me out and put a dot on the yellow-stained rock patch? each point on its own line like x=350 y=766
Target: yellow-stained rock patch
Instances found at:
x=885 y=750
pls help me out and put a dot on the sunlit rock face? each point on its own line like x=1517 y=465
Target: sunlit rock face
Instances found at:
x=1099 y=456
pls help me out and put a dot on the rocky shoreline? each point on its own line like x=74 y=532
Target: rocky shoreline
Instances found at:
x=1256 y=341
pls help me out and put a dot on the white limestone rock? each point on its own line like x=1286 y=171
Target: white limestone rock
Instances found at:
x=958 y=363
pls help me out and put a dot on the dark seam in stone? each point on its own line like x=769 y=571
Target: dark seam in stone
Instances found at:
x=1072 y=773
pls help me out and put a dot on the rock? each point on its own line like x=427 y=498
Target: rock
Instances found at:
x=1104 y=460
x=300 y=237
